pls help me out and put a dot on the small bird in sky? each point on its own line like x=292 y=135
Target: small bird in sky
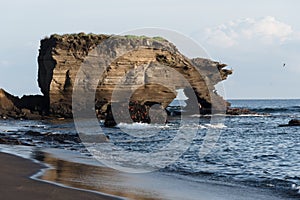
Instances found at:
x=283 y=64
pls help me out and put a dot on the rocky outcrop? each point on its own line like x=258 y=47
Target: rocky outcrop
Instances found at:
x=239 y=111
x=293 y=122
x=155 y=70
x=8 y=105
x=27 y=107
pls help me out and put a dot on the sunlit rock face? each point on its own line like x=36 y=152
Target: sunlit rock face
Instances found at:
x=148 y=73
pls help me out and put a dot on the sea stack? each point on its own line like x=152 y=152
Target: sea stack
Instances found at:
x=61 y=56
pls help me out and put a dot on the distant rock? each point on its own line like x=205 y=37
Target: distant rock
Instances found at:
x=7 y=100
x=8 y=105
x=293 y=122
x=239 y=111
x=28 y=107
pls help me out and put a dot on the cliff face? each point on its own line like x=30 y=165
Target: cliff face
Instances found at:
x=155 y=71
x=59 y=60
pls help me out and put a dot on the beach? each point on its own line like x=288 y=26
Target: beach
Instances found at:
x=16 y=183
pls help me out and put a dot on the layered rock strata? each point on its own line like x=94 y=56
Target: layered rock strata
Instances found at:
x=151 y=71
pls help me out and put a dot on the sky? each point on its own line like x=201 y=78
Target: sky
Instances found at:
x=255 y=38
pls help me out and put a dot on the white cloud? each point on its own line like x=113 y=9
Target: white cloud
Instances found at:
x=267 y=30
x=217 y=37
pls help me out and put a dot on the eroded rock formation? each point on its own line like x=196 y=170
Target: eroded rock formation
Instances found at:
x=8 y=104
x=27 y=107
x=152 y=70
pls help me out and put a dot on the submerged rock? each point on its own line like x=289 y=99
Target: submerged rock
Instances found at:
x=13 y=141
x=33 y=133
x=293 y=122
x=60 y=138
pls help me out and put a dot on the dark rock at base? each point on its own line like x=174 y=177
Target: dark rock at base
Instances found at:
x=149 y=112
x=36 y=104
x=61 y=110
x=127 y=113
x=152 y=112
x=109 y=118
x=293 y=122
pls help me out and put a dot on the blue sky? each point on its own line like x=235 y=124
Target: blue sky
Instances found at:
x=254 y=38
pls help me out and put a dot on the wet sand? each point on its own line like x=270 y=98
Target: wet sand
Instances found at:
x=148 y=186
x=16 y=184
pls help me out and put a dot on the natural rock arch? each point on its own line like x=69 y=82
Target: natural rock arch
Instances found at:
x=61 y=56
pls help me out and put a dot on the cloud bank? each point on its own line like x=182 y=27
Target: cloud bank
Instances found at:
x=267 y=30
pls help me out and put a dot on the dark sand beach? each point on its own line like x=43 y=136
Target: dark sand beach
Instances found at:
x=16 y=184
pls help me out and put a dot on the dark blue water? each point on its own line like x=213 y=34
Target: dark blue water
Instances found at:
x=252 y=149
x=247 y=149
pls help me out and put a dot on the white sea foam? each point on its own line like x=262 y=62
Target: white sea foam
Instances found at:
x=17 y=150
x=252 y=115
x=145 y=126
x=139 y=126
x=296 y=187
x=217 y=126
x=193 y=126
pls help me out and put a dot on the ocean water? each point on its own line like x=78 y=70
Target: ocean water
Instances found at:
x=249 y=150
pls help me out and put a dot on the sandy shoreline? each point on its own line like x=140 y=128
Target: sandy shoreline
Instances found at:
x=16 y=184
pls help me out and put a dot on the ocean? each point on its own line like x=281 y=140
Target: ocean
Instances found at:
x=245 y=150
